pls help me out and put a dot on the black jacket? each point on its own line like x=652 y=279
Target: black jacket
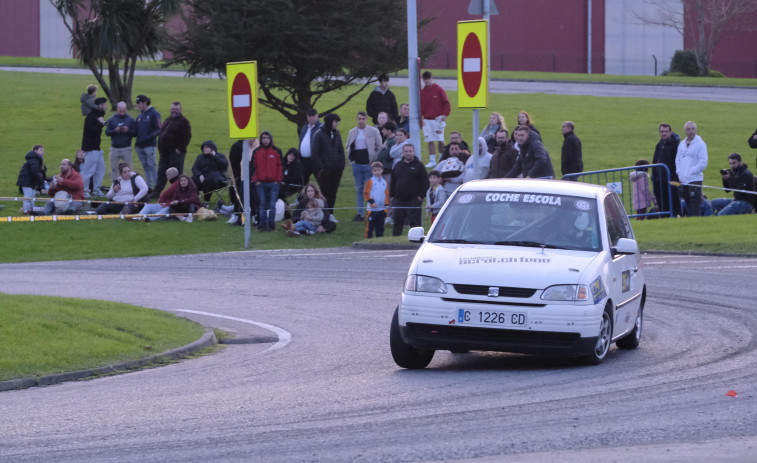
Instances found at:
x=665 y=153
x=327 y=151
x=175 y=134
x=571 y=160
x=409 y=180
x=503 y=159
x=93 y=129
x=33 y=172
x=752 y=141
x=741 y=179
x=211 y=167
x=533 y=160
x=382 y=102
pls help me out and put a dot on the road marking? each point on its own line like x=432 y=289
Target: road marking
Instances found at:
x=284 y=336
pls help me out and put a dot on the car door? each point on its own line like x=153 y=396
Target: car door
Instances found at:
x=623 y=283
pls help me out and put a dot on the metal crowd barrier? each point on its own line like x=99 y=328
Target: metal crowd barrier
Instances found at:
x=618 y=180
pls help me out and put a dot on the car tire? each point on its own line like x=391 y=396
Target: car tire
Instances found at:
x=631 y=340
x=604 y=340
x=405 y=355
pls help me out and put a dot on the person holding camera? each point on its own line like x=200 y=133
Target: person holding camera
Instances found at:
x=738 y=177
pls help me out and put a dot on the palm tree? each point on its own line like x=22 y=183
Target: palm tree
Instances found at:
x=113 y=34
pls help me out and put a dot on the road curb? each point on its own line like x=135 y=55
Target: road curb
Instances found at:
x=385 y=246
x=206 y=340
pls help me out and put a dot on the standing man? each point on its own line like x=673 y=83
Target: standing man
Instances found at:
x=307 y=134
x=363 y=147
x=69 y=182
x=572 y=157
x=691 y=161
x=665 y=153
x=435 y=108
x=327 y=156
x=267 y=174
x=738 y=177
x=121 y=128
x=382 y=100
x=533 y=159
x=175 y=135
x=94 y=162
x=148 y=128
x=407 y=190
x=504 y=156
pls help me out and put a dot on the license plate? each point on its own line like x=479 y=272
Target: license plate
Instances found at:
x=490 y=318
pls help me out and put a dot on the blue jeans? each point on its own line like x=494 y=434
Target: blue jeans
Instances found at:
x=727 y=206
x=154 y=209
x=94 y=168
x=149 y=164
x=304 y=226
x=28 y=193
x=268 y=194
x=362 y=173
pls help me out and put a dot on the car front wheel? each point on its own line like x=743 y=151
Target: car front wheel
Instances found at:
x=404 y=354
x=604 y=339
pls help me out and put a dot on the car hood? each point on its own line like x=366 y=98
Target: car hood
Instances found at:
x=522 y=267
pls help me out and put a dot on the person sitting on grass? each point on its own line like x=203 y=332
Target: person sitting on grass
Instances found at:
x=310 y=219
x=127 y=191
x=308 y=193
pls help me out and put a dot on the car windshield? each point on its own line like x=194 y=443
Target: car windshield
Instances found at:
x=519 y=219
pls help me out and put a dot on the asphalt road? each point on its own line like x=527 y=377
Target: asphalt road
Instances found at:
x=671 y=92
x=329 y=390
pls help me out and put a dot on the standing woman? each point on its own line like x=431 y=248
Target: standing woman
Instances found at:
x=31 y=178
x=496 y=123
x=525 y=119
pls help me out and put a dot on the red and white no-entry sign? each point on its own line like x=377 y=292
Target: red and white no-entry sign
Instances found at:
x=242 y=79
x=472 y=79
x=241 y=98
x=472 y=58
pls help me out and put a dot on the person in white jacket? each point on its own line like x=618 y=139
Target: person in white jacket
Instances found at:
x=691 y=161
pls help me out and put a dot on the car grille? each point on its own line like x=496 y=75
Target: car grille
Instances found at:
x=504 y=291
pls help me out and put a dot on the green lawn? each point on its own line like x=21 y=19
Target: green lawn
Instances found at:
x=46 y=335
x=42 y=108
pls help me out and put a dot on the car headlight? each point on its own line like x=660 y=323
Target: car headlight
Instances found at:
x=566 y=293
x=425 y=284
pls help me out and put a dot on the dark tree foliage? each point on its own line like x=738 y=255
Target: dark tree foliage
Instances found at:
x=113 y=35
x=304 y=48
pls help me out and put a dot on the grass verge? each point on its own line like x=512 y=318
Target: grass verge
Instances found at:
x=46 y=335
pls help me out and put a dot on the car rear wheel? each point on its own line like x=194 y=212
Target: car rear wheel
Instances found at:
x=604 y=339
x=404 y=354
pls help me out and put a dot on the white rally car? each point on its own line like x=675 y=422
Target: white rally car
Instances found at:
x=529 y=266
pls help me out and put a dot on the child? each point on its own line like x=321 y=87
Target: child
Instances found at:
x=310 y=218
x=88 y=100
x=641 y=198
x=436 y=195
x=376 y=194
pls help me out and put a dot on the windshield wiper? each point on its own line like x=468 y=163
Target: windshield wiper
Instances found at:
x=460 y=241
x=533 y=244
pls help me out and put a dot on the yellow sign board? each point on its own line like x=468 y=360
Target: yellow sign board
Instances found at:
x=472 y=64
x=242 y=81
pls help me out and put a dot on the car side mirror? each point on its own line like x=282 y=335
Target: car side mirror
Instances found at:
x=416 y=235
x=625 y=246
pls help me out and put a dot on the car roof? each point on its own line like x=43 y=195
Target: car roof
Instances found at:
x=554 y=187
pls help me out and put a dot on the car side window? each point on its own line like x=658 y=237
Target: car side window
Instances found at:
x=614 y=223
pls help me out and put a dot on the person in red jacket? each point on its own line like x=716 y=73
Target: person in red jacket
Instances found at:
x=267 y=176
x=67 y=189
x=435 y=108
